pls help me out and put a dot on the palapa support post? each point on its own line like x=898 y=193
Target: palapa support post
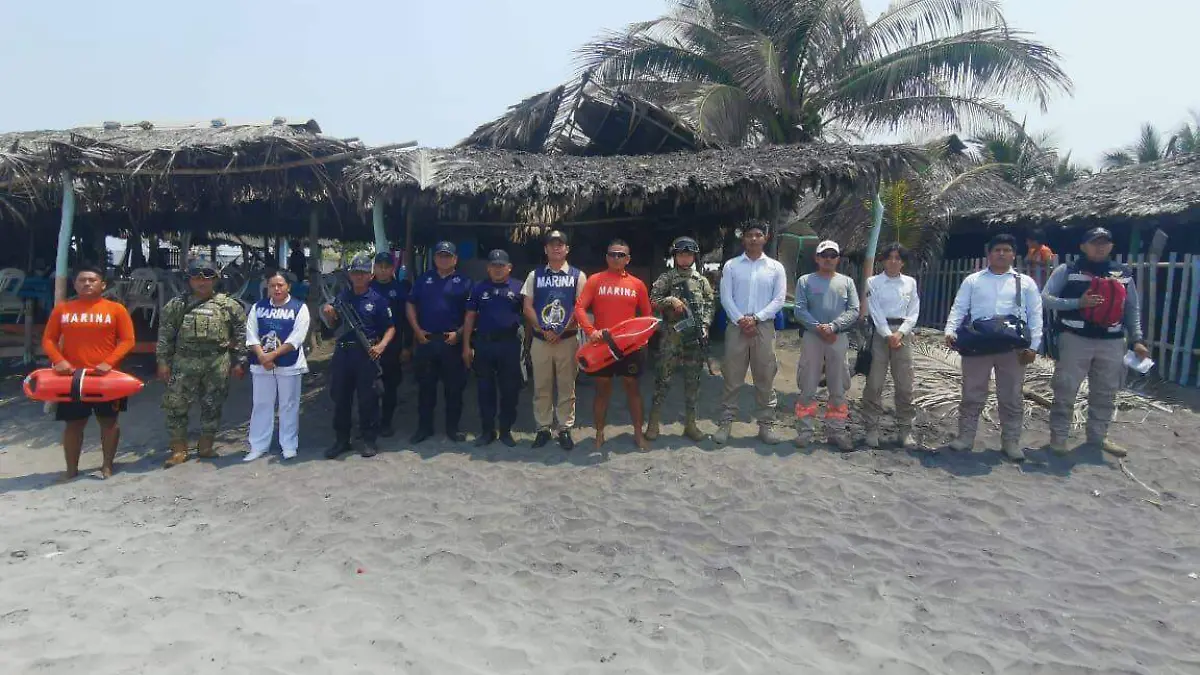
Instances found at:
x=64 y=237
x=185 y=248
x=315 y=298
x=381 y=241
x=408 y=241
x=868 y=269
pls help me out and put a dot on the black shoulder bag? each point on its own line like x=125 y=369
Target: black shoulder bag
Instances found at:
x=993 y=335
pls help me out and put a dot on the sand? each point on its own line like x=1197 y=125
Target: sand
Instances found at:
x=684 y=559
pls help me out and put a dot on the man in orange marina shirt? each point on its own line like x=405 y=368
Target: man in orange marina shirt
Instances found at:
x=613 y=296
x=95 y=333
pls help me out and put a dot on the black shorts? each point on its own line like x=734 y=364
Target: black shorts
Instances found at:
x=632 y=365
x=73 y=412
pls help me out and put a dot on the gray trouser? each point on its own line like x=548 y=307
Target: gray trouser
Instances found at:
x=900 y=362
x=1102 y=363
x=755 y=353
x=1010 y=379
x=817 y=357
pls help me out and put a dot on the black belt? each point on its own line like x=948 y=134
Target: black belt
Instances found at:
x=895 y=322
x=565 y=335
x=496 y=336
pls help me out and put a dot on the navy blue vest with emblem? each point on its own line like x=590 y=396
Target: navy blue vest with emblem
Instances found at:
x=275 y=324
x=1079 y=279
x=554 y=296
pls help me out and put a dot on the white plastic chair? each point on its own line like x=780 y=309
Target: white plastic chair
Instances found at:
x=144 y=292
x=11 y=280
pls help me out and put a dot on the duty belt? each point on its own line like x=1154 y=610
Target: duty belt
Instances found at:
x=563 y=336
x=509 y=335
x=200 y=351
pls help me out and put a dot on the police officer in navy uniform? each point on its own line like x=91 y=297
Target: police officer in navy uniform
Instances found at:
x=353 y=372
x=436 y=310
x=395 y=291
x=491 y=346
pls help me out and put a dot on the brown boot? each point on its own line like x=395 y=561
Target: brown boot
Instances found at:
x=179 y=454
x=204 y=449
x=652 y=427
x=691 y=430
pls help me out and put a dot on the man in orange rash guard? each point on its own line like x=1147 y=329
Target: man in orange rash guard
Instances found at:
x=613 y=296
x=96 y=333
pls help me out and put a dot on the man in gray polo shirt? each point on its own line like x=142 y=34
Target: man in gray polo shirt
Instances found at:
x=827 y=306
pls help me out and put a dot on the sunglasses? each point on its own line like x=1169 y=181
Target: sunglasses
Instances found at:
x=618 y=254
x=830 y=256
x=205 y=274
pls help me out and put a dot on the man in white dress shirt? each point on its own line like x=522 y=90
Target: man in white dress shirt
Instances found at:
x=894 y=308
x=753 y=288
x=993 y=292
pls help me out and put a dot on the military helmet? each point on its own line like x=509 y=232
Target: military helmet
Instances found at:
x=685 y=244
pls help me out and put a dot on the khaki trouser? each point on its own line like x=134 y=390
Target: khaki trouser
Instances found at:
x=554 y=364
x=1010 y=379
x=1102 y=363
x=817 y=358
x=755 y=353
x=900 y=363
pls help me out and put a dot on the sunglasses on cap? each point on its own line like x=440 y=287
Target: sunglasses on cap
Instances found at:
x=204 y=274
x=618 y=254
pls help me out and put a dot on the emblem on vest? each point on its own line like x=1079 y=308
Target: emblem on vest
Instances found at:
x=270 y=342
x=369 y=307
x=554 y=315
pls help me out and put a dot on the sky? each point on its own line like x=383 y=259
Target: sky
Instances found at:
x=432 y=70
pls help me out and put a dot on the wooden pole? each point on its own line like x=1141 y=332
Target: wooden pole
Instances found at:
x=64 y=237
x=381 y=241
x=868 y=268
x=408 y=241
x=315 y=298
x=185 y=248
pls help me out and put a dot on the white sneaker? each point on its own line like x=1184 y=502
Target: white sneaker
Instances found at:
x=289 y=454
x=255 y=454
x=722 y=435
x=872 y=439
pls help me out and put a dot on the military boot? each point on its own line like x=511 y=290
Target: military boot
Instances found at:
x=204 y=448
x=652 y=427
x=691 y=430
x=179 y=454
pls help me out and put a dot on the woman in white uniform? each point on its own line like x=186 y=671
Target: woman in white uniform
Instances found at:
x=275 y=330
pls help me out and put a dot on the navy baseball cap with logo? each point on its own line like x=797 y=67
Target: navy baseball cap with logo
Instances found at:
x=384 y=258
x=1096 y=233
x=498 y=257
x=555 y=235
x=361 y=263
x=445 y=247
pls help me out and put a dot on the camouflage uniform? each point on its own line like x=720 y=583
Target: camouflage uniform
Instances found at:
x=199 y=345
x=680 y=352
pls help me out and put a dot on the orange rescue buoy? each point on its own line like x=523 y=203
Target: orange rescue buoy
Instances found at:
x=83 y=386
x=623 y=339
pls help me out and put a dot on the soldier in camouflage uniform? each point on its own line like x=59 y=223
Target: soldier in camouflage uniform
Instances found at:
x=686 y=301
x=201 y=342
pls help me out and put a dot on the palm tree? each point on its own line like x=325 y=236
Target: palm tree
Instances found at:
x=792 y=71
x=1150 y=147
x=1187 y=139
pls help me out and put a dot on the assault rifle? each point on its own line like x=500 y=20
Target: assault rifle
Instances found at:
x=689 y=327
x=352 y=322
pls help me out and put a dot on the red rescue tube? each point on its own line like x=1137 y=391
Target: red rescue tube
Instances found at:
x=625 y=338
x=84 y=385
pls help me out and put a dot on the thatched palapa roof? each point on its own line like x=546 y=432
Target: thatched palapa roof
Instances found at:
x=1166 y=193
x=534 y=189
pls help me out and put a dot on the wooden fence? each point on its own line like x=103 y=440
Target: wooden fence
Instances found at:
x=1169 y=291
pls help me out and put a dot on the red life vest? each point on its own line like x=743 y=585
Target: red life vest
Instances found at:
x=1110 y=312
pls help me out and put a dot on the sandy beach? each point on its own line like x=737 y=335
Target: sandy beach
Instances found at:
x=684 y=559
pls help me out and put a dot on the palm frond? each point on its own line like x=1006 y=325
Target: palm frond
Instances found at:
x=914 y=21
x=935 y=111
x=422 y=167
x=720 y=113
x=526 y=126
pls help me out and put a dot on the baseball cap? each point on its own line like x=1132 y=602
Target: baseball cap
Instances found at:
x=200 y=266
x=498 y=257
x=445 y=247
x=828 y=245
x=1097 y=233
x=555 y=234
x=360 y=263
x=384 y=258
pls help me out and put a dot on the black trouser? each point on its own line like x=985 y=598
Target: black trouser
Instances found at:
x=498 y=371
x=433 y=361
x=392 y=376
x=354 y=374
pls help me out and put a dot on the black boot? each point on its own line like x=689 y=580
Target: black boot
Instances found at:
x=565 y=441
x=455 y=436
x=421 y=435
x=370 y=448
x=485 y=438
x=340 y=446
x=386 y=430
x=543 y=437
x=507 y=439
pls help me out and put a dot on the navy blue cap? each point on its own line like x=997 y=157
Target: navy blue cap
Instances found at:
x=498 y=257
x=555 y=234
x=384 y=258
x=445 y=247
x=1097 y=233
x=361 y=263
